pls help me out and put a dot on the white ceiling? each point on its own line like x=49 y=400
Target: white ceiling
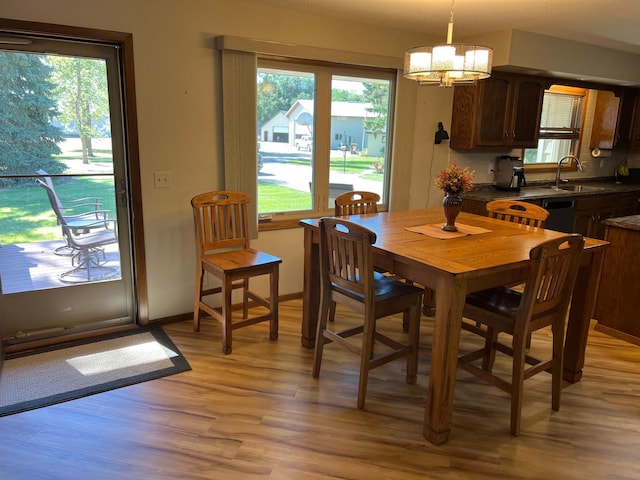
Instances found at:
x=608 y=23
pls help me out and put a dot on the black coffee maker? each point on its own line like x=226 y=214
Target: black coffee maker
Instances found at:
x=510 y=173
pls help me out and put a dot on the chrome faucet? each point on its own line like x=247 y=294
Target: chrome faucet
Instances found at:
x=568 y=157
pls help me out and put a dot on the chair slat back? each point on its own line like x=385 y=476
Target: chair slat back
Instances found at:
x=356 y=203
x=515 y=211
x=552 y=276
x=220 y=220
x=346 y=256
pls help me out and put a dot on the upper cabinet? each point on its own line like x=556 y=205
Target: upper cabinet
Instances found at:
x=635 y=125
x=502 y=111
x=615 y=122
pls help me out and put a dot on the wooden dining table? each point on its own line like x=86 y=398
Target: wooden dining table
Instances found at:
x=495 y=253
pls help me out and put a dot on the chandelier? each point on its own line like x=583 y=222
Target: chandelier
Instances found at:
x=448 y=64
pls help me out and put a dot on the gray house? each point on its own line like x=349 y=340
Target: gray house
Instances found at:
x=347 y=125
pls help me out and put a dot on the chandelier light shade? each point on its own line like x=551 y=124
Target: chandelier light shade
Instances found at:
x=448 y=64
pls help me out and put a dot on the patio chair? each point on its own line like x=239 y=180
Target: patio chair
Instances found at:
x=94 y=217
x=86 y=242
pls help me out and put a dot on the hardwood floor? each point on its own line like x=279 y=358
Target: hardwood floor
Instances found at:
x=259 y=414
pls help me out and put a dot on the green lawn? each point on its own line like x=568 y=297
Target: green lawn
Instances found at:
x=275 y=198
x=27 y=215
x=278 y=198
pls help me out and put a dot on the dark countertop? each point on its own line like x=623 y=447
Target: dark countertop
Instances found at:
x=537 y=192
x=631 y=222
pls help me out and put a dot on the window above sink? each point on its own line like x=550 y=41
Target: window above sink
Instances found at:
x=560 y=131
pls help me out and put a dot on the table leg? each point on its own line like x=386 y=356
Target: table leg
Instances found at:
x=311 y=288
x=583 y=303
x=450 y=297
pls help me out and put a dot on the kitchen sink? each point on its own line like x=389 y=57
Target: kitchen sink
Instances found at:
x=577 y=188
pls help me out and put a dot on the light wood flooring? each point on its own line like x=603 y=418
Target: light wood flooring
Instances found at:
x=258 y=414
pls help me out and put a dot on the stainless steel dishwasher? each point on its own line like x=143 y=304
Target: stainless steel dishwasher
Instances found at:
x=561 y=214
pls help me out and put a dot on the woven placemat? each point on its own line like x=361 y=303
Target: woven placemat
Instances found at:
x=435 y=230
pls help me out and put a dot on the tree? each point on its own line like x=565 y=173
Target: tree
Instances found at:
x=277 y=93
x=81 y=87
x=378 y=96
x=28 y=140
x=339 y=95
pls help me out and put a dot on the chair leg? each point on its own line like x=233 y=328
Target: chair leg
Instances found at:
x=557 y=330
x=319 y=346
x=245 y=298
x=227 y=290
x=197 y=299
x=273 y=303
x=413 y=318
x=332 y=311
x=517 y=383
x=365 y=356
x=489 y=356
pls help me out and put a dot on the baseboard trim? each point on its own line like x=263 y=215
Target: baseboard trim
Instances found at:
x=612 y=332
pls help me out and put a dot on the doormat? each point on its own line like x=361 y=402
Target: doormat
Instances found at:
x=77 y=369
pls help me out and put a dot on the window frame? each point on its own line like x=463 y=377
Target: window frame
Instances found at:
x=324 y=72
x=571 y=166
x=238 y=58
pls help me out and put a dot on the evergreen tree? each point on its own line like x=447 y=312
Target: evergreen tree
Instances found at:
x=28 y=141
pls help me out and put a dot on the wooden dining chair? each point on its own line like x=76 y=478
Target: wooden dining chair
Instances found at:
x=544 y=302
x=222 y=250
x=348 y=278
x=356 y=203
x=515 y=211
x=360 y=202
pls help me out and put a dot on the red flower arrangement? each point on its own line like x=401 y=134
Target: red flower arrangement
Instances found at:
x=454 y=180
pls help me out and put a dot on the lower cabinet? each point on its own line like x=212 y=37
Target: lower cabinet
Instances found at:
x=628 y=204
x=478 y=207
x=618 y=302
x=591 y=211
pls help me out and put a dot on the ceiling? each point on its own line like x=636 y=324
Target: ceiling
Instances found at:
x=607 y=23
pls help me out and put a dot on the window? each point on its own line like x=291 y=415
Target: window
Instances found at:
x=322 y=130
x=560 y=126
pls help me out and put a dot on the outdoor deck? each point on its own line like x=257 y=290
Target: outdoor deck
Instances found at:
x=26 y=267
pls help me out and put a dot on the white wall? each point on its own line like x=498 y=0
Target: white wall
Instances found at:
x=179 y=111
x=179 y=115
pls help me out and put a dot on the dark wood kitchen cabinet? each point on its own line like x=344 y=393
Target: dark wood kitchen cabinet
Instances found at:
x=628 y=204
x=591 y=211
x=635 y=126
x=618 y=303
x=614 y=120
x=502 y=111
